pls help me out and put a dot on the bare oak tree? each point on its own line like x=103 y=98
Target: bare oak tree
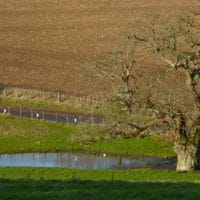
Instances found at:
x=177 y=43
x=117 y=68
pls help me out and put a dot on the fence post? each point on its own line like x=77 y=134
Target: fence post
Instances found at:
x=67 y=119
x=56 y=116
x=103 y=121
x=80 y=119
x=29 y=93
x=31 y=112
x=43 y=114
x=58 y=97
x=92 y=119
x=112 y=176
x=20 y=110
x=9 y=110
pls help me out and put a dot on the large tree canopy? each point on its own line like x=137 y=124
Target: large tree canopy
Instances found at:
x=177 y=43
x=174 y=40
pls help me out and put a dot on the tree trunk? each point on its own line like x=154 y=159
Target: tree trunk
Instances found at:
x=188 y=155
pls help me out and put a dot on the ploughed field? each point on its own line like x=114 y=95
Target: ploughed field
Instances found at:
x=49 y=44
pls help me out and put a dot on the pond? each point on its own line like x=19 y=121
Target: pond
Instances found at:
x=84 y=161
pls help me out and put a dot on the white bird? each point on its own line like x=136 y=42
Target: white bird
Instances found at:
x=76 y=159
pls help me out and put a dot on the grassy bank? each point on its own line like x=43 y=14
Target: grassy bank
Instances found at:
x=134 y=175
x=45 y=183
x=26 y=135
x=41 y=105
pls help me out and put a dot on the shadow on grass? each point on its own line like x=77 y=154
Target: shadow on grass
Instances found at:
x=95 y=190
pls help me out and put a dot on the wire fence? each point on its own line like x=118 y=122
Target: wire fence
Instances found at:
x=53 y=115
x=49 y=96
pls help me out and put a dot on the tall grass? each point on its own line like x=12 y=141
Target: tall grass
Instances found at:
x=41 y=105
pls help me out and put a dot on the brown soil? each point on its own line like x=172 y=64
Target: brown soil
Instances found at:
x=49 y=44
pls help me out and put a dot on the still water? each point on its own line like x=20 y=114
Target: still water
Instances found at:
x=83 y=161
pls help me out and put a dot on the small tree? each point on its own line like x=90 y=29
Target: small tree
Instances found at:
x=177 y=43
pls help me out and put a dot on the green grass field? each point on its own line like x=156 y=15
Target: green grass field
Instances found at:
x=27 y=135
x=46 y=183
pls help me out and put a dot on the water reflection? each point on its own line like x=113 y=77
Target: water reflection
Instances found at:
x=83 y=161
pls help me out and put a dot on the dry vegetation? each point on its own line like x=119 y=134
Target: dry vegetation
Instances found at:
x=47 y=44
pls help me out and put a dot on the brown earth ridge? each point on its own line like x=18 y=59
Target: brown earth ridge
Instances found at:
x=49 y=44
